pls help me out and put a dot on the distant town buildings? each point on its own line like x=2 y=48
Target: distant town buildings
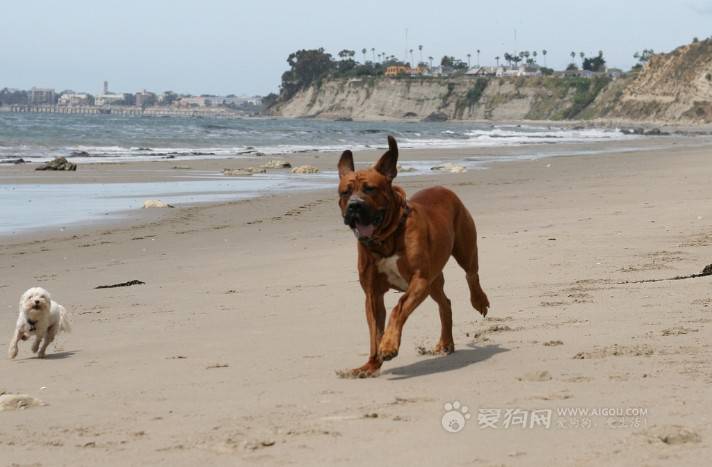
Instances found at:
x=107 y=98
x=194 y=102
x=529 y=69
x=483 y=71
x=144 y=98
x=216 y=101
x=40 y=96
x=398 y=70
x=144 y=102
x=74 y=99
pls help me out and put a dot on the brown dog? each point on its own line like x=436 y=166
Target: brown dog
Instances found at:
x=404 y=245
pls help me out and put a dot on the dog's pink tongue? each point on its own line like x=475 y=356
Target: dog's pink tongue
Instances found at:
x=365 y=230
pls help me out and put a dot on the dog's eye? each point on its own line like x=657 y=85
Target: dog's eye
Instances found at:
x=345 y=192
x=368 y=189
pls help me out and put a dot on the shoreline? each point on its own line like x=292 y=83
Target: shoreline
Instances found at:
x=681 y=127
x=318 y=157
x=94 y=195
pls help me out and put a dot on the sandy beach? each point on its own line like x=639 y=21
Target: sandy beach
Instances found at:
x=228 y=354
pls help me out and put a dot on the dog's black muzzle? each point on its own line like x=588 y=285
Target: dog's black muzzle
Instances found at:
x=360 y=212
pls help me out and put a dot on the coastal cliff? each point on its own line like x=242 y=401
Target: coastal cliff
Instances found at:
x=673 y=87
x=670 y=88
x=459 y=98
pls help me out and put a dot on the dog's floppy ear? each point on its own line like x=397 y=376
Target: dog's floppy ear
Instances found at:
x=388 y=163
x=346 y=163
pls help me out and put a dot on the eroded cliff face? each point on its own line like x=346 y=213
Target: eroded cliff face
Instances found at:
x=674 y=87
x=671 y=88
x=462 y=98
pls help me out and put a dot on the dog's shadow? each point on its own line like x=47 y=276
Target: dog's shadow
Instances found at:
x=60 y=355
x=455 y=361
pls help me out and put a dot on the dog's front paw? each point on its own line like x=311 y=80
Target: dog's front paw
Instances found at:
x=35 y=346
x=388 y=349
x=12 y=352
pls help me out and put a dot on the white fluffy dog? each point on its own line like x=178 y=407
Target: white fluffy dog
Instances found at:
x=39 y=316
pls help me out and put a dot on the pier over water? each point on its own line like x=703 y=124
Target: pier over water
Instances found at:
x=122 y=111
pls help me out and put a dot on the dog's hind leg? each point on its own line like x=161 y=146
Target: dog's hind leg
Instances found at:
x=465 y=252
x=446 y=344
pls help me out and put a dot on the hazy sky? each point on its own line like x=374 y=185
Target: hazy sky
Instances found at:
x=240 y=46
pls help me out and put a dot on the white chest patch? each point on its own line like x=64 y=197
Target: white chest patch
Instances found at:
x=389 y=267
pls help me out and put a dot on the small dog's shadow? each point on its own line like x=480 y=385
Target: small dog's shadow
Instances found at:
x=455 y=361
x=60 y=355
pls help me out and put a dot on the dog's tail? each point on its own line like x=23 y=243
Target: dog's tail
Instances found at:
x=64 y=324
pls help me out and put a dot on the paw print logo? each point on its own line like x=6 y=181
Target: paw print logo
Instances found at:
x=455 y=417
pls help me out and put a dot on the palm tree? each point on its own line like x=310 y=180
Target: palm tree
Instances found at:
x=411 y=57
x=581 y=54
x=534 y=54
x=363 y=51
x=420 y=49
x=543 y=52
x=573 y=56
x=478 y=57
x=468 y=60
x=430 y=59
x=497 y=58
x=373 y=53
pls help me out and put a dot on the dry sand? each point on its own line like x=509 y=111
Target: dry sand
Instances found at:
x=227 y=355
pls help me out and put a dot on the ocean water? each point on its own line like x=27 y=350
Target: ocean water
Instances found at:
x=107 y=138
x=27 y=207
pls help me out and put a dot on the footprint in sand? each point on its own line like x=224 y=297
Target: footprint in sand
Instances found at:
x=536 y=376
x=616 y=350
x=670 y=435
x=677 y=331
x=18 y=402
x=579 y=379
x=558 y=396
x=483 y=334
